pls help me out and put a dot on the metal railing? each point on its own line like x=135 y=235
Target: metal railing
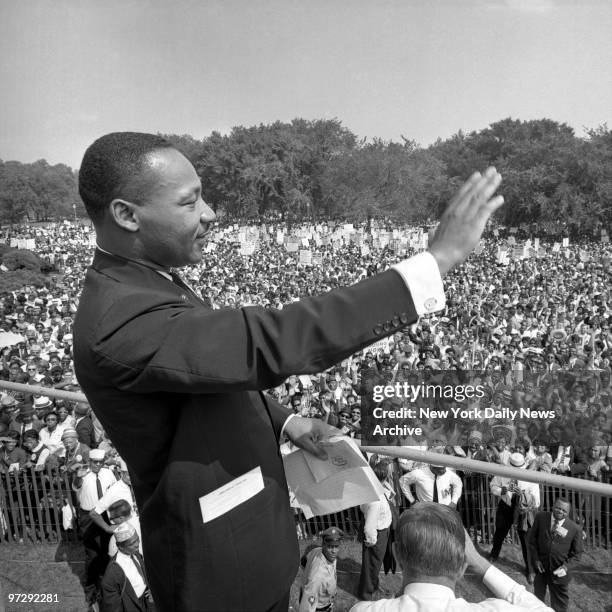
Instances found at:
x=33 y=505
x=477 y=508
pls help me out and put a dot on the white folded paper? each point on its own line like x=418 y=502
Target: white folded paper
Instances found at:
x=342 y=481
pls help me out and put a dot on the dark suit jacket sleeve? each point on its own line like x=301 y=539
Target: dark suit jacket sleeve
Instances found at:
x=151 y=341
x=85 y=432
x=111 y=585
x=278 y=414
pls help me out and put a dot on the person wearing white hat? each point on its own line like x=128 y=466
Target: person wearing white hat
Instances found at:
x=518 y=503
x=125 y=586
x=90 y=486
x=120 y=512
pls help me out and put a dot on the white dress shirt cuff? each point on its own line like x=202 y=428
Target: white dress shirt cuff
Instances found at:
x=500 y=585
x=422 y=277
x=285 y=425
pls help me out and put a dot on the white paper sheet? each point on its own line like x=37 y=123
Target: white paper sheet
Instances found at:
x=342 y=481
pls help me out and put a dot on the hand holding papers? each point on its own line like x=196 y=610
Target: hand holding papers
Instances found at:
x=342 y=480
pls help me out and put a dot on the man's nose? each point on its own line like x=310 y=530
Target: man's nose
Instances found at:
x=207 y=215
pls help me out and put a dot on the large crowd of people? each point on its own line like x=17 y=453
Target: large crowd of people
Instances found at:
x=528 y=319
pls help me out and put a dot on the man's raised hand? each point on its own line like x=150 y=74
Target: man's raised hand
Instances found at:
x=465 y=218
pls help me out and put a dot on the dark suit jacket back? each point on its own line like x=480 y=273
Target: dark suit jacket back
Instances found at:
x=175 y=385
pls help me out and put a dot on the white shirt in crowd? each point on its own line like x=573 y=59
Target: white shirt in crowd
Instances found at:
x=429 y=597
x=52 y=439
x=118 y=490
x=131 y=573
x=88 y=492
x=448 y=484
x=377 y=517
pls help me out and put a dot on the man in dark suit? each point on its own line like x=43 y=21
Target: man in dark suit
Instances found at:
x=84 y=425
x=124 y=585
x=177 y=385
x=554 y=540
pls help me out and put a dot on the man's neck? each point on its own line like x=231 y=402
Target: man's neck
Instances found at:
x=118 y=249
x=441 y=580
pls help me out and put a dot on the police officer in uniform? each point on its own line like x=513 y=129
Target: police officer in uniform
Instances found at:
x=319 y=578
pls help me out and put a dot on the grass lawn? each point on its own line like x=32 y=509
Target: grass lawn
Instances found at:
x=53 y=568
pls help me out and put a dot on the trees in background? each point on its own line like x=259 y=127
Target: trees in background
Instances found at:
x=308 y=169
x=20 y=267
x=37 y=192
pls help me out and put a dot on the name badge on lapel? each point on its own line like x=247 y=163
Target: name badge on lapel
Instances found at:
x=562 y=531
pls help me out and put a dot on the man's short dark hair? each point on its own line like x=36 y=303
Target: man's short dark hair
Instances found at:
x=109 y=166
x=120 y=508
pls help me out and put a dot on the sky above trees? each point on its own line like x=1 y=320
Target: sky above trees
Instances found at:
x=71 y=71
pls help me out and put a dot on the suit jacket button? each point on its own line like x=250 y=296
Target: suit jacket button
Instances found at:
x=378 y=329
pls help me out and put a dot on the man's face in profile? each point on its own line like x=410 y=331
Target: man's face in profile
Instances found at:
x=172 y=217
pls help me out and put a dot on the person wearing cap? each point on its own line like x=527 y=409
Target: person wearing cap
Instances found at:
x=157 y=363
x=25 y=420
x=519 y=500
x=434 y=551
x=90 y=485
x=84 y=425
x=120 y=512
x=75 y=453
x=319 y=577
x=555 y=543
x=125 y=587
x=42 y=406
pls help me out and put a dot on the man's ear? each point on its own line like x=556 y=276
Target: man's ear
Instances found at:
x=124 y=214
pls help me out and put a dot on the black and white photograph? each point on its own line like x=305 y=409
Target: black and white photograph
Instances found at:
x=305 y=306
